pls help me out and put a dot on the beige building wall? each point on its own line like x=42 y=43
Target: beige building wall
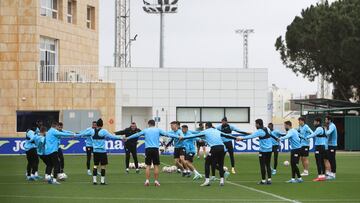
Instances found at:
x=20 y=29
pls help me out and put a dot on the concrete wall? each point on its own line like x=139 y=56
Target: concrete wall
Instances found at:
x=165 y=89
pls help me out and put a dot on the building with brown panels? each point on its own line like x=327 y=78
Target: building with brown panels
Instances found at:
x=49 y=64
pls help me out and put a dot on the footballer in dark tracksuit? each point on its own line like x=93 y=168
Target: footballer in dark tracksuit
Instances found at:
x=130 y=145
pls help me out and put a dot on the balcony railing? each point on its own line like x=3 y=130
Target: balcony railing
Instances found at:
x=69 y=73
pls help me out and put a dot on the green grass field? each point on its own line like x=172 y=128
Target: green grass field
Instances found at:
x=241 y=187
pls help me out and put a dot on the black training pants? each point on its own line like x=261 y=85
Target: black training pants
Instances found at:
x=89 y=151
x=294 y=161
x=131 y=148
x=230 y=150
x=54 y=164
x=331 y=155
x=61 y=160
x=265 y=159
x=215 y=159
x=32 y=161
x=275 y=149
x=320 y=153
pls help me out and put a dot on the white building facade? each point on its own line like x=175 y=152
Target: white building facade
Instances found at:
x=189 y=95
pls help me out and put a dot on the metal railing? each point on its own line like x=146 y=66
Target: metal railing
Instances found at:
x=69 y=73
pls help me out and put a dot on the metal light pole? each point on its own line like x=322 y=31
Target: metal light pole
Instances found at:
x=161 y=7
x=161 y=54
x=245 y=33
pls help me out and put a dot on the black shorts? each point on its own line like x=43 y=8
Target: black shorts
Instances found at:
x=275 y=148
x=152 y=156
x=179 y=152
x=200 y=144
x=304 y=151
x=295 y=155
x=229 y=146
x=190 y=157
x=100 y=158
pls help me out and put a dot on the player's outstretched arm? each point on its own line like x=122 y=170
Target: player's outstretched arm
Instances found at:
x=108 y=135
x=287 y=136
x=85 y=133
x=236 y=129
x=64 y=134
x=230 y=136
x=201 y=134
x=253 y=135
x=120 y=132
x=317 y=132
x=136 y=135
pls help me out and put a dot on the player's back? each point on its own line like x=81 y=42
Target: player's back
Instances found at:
x=99 y=140
x=51 y=141
x=152 y=137
x=294 y=139
x=213 y=137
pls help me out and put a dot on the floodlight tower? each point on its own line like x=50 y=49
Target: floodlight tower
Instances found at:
x=161 y=7
x=122 y=54
x=245 y=33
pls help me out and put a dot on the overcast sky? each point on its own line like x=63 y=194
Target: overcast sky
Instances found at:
x=202 y=34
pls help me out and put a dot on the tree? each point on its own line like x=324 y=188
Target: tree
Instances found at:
x=325 y=40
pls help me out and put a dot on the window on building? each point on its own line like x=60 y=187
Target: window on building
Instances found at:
x=188 y=115
x=90 y=17
x=49 y=8
x=48 y=59
x=213 y=114
x=71 y=11
x=240 y=115
x=24 y=119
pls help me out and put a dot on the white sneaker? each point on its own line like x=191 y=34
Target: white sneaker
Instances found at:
x=64 y=175
x=205 y=184
x=305 y=173
x=47 y=177
x=197 y=176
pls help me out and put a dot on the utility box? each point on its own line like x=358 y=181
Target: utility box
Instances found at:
x=77 y=120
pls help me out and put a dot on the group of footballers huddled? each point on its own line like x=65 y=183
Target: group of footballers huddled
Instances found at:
x=45 y=143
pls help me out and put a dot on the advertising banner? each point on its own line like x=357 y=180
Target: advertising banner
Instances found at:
x=77 y=146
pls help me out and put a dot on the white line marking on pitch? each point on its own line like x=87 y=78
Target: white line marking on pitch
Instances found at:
x=263 y=192
x=256 y=190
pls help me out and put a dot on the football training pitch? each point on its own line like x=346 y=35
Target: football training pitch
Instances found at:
x=122 y=187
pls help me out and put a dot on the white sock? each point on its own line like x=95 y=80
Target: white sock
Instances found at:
x=333 y=175
x=269 y=179
x=94 y=179
x=147 y=180
x=36 y=173
x=89 y=171
x=207 y=180
x=263 y=181
x=292 y=178
x=32 y=175
x=156 y=181
x=299 y=178
x=102 y=179
x=222 y=180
